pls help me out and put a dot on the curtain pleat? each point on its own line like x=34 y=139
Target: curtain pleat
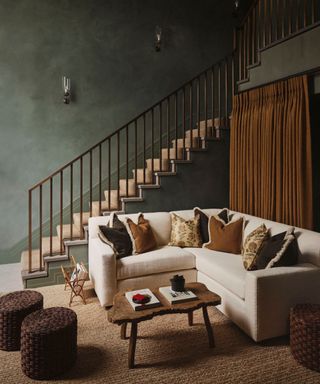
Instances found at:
x=270 y=153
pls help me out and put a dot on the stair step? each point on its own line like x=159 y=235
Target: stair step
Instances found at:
x=187 y=142
x=35 y=266
x=85 y=218
x=180 y=153
x=131 y=187
x=114 y=205
x=140 y=176
x=66 y=232
x=113 y=196
x=55 y=246
x=156 y=164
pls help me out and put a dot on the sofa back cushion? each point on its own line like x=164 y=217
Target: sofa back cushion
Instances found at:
x=308 y=241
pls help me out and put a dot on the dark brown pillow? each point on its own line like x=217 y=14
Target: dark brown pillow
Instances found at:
x=142 y=236
x=279 y=251
x=116 y=235
x=204 y=221
x=225 y=237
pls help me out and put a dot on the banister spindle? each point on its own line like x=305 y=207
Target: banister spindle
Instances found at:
x=168 y=132
x=135 y=154
x=226 y=92
x=90 y=181
x=152 y=144
x=61 y=212
x=100 y=177
x=205 y=91
x=198 y=107
x=219 y=100
x=191 y=113
x=71 y=201
x=144 y=148
x=109 y=174
x=81 y=197
x=184 y=118
x=40 y=227
x=127 y=160
x=160 y=136
x=50 y=213
x=30 y=231
x=212 y=100
x=176 y=124
x=118 y=168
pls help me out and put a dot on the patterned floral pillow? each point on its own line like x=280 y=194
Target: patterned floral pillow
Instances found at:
x=185 y=233
x=252 y=246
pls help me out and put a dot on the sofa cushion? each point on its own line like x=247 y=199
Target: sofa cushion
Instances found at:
x=164 y=259
x=141 y=234
x=224 y=237
x=185 y=233
x=225 y=268
x=252 y=246
x=204 y=221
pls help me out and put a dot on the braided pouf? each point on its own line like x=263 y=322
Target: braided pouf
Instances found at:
x=14 y=307
x=305 y=335
x=48 y=342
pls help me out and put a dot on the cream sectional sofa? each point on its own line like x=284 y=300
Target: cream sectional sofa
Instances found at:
x=257 y=301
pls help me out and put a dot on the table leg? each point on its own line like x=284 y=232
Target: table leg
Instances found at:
x=208 y=326
x=123 y=331
x=132 y=344
x=190 y=318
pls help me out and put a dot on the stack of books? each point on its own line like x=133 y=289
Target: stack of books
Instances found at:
x=174 y=297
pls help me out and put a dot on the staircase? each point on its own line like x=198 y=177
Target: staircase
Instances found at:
x=118 y=170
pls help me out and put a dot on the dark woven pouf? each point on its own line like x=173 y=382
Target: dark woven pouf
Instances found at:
x=48 y=342
x=14 y=307
x=305 y=335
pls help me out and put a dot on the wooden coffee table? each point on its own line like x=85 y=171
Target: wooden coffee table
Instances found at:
x=122 y=313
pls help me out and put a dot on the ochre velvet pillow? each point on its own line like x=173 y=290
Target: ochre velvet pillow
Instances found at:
x=225 y=237
x=185 y=233
x=142 y=236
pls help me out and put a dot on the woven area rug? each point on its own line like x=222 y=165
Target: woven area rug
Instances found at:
x=168 y=351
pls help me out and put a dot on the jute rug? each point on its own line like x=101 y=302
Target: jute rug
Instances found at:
x=168 y=351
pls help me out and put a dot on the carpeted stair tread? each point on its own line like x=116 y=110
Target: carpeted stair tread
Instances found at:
x=131 y=187
x=114 y=205
x=55 y=246
x=156 y=164
x=141 y=179
x=24 y=262
x=172 y=153
x=66 y=232
x=186 y=143
x=85 y=218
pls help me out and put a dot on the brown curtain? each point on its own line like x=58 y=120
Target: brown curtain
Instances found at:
x=270 y=153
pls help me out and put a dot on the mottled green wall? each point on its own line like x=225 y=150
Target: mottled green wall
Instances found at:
x=106 y=47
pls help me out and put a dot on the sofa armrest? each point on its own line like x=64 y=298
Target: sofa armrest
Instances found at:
x=270 y=293
x=103 y=270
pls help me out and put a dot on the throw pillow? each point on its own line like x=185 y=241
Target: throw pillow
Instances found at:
x=225 y=237
x=117 y=237
x=204 y=221
x=141 y=234
x=185 y=233
x=279 y=251
x=252 y=246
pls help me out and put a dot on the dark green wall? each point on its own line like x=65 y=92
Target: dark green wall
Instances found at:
x=106 y=47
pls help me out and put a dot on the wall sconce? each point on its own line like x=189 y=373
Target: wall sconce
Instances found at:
x=158 y=38
x=66 y=85
x=236 y=8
